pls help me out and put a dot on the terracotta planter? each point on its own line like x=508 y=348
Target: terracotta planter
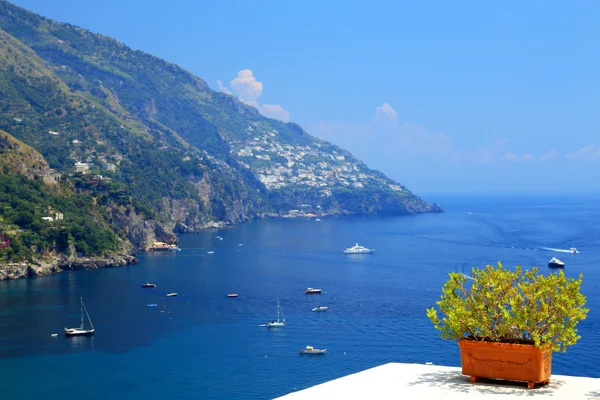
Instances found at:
x=514 y=362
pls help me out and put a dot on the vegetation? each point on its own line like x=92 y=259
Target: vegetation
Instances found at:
x=75 y=96
x=511 y=306
x=23 y=203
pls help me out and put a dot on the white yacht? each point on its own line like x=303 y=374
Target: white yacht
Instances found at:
x=356 y=249
x=556 y=263
x=320 y=309
x=573 y=250
x=280 y=321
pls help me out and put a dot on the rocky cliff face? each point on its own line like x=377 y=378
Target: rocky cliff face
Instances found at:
x=59 y=264
x=163 y=153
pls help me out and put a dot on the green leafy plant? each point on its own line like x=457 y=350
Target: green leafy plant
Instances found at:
x=521 y=306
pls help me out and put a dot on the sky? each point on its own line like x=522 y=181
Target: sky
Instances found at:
x=444 y=97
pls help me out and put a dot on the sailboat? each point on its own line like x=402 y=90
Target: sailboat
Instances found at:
x=280 y=322
x=81 y=331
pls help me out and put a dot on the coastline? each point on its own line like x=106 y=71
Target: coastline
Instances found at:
x=34 y=269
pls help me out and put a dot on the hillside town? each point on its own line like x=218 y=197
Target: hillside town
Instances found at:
x=316 y=165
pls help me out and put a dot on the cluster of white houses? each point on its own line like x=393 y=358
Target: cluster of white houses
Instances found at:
x=277 y=165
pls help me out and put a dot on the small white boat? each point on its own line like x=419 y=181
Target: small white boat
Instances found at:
x=573 y=250
x=210 y=252
x=556 y=263
x=81 y=331
x=357 y=249
x=313 y=291
x=320 y=309
x=54 y=335
x=172 y=294
x=148 y=285
x=232 y=295
x=311 y=350
x=280 y=321
x=318 y=220
x=152 y=305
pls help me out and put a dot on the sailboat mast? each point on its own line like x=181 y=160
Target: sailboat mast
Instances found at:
x=81 y=300
x=88 y=315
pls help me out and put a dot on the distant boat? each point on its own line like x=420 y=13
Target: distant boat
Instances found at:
x=320 y=309
x=81 y=331
x=573 y=250
x=311 y=350
x=54 y=335
x=356 y=249
x=317 y=219
x=313 y=291
x=280 y=321
x=151 y=305
x=148 y=285
x=232 y=295
x=210 y=252
x=555 y=263
x=172 y=294
x=162 y=246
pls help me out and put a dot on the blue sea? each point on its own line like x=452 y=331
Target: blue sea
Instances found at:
x=204 y=345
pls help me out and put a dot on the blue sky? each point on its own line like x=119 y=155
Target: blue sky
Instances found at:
x=457 y=97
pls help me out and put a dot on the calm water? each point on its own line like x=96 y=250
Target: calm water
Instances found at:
x=205 y=345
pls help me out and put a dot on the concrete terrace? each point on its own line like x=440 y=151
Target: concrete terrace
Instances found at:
x=417 y=381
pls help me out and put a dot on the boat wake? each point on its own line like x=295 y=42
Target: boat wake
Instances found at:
x=557 y=250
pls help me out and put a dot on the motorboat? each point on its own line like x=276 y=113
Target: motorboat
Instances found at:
x=172 y=294
x=232 y=295
x=556 y=263
x=357 y=249
x=573 y=250
x=81 y=331
x=320 y=309
x=151 y=305
x=311 y=350
x=313 y=291
x=148 y=285
x=280 y=321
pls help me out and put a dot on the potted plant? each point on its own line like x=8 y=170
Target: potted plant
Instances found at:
x=508 y=323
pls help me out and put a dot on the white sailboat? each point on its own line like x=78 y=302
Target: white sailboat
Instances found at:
x=280 y=321
x=81 y=331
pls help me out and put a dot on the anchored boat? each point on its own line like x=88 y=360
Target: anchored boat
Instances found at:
x=81 y=331
x=280 y=321
x=311 y=350
x=356 y=249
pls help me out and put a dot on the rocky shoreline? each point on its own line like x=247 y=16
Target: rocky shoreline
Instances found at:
x=41 y=268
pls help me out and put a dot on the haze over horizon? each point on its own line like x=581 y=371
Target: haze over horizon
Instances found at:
x=456 y=98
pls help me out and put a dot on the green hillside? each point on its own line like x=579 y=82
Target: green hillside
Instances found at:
x=166 y=152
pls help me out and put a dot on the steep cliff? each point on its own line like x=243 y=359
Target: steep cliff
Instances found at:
x=155 y=150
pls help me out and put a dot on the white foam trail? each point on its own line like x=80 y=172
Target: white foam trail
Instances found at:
x=558 y=250
x=466 y=276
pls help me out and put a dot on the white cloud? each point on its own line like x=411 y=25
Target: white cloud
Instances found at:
x=385 y=144
x=248 y=89
x=274 y=111
x=585 y=153
x=490 y=152
x=509 y=156
x=386 y=110
x=549 y=155
x=223 y=88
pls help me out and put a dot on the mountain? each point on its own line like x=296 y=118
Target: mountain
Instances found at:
x=156 y=149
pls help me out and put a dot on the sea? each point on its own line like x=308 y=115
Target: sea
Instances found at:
x=204 y=345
